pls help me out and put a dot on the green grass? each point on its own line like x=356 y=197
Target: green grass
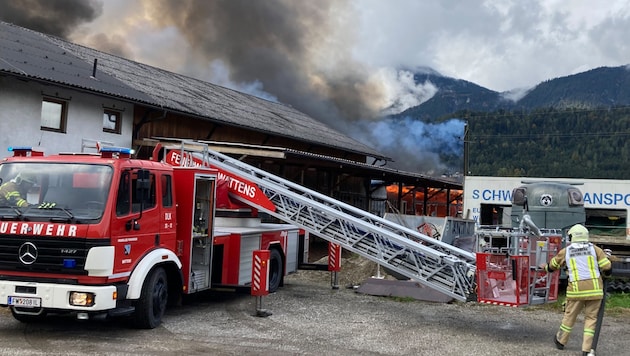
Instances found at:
x=617 y=304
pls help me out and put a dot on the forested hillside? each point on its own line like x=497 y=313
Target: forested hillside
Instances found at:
x=581 y=143
x=599 y=87
x=574 y=126
x=453 y=95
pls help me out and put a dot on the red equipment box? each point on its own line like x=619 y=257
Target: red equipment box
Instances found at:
x=516 y=280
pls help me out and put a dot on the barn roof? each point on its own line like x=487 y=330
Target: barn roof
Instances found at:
x=31 y=54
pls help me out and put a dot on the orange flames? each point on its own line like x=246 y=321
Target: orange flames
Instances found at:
x=436 y=200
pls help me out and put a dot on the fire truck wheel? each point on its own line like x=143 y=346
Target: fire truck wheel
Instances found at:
x=275 y=270
x=28 y=318
x=152 y=303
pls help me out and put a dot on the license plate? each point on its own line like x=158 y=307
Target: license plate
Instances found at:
x=25 y=302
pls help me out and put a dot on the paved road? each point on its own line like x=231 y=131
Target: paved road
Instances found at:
x=311 y=319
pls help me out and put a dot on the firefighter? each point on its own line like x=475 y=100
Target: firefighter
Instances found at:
x=585 y=265
x=13 y=192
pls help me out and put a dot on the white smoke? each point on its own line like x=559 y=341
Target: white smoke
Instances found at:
x=401 y=91
x=515 y=94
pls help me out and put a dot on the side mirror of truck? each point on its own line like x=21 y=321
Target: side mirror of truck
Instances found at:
x=143 y=184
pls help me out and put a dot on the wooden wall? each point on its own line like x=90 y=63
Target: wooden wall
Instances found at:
x=153 y=123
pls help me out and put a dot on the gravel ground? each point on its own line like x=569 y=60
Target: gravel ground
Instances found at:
x=324 y=321
x=310 y=318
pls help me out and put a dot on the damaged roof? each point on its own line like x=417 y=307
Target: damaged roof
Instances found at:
x=31 y=54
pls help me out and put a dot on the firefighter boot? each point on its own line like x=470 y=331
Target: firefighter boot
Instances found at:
x=559 y=346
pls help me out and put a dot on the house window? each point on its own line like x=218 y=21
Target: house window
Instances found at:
x=111 y=121
x=54 y=113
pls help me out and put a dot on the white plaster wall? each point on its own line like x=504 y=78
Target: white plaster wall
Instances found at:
x=20 y=118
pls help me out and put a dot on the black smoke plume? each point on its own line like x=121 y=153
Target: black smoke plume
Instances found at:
x=54 y=17
x=275 y=44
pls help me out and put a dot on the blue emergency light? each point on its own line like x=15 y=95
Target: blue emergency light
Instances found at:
x=69 y=263
x=24 y=151
x=120 y=150
x=116 y=152
x=20 y=148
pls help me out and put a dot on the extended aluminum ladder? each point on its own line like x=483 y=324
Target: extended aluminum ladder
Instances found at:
x=432 y=263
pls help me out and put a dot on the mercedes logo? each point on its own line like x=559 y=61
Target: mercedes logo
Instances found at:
x=27 y=253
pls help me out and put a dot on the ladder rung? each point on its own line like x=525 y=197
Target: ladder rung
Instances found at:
x=436 y=264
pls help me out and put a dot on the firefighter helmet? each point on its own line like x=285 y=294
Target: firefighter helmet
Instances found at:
x=578 y=233
x=26 y=177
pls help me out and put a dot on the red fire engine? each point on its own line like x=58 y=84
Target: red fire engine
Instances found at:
x=106 y=234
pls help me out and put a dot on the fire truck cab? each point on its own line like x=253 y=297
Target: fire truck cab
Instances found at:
x=107 y=234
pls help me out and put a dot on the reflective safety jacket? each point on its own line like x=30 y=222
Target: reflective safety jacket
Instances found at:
x=10 y=195
x=584 y=262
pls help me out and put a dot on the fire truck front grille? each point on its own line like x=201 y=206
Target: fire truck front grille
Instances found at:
x=45 y=254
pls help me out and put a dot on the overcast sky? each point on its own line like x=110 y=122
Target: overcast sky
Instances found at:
x=499 y=44
x=345 y=62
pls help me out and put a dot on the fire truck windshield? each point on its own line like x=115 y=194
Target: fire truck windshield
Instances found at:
x=66 y=191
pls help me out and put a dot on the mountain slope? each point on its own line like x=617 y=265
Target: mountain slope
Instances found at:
x=453 y=95
x=574 y=126
x=600 y=87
